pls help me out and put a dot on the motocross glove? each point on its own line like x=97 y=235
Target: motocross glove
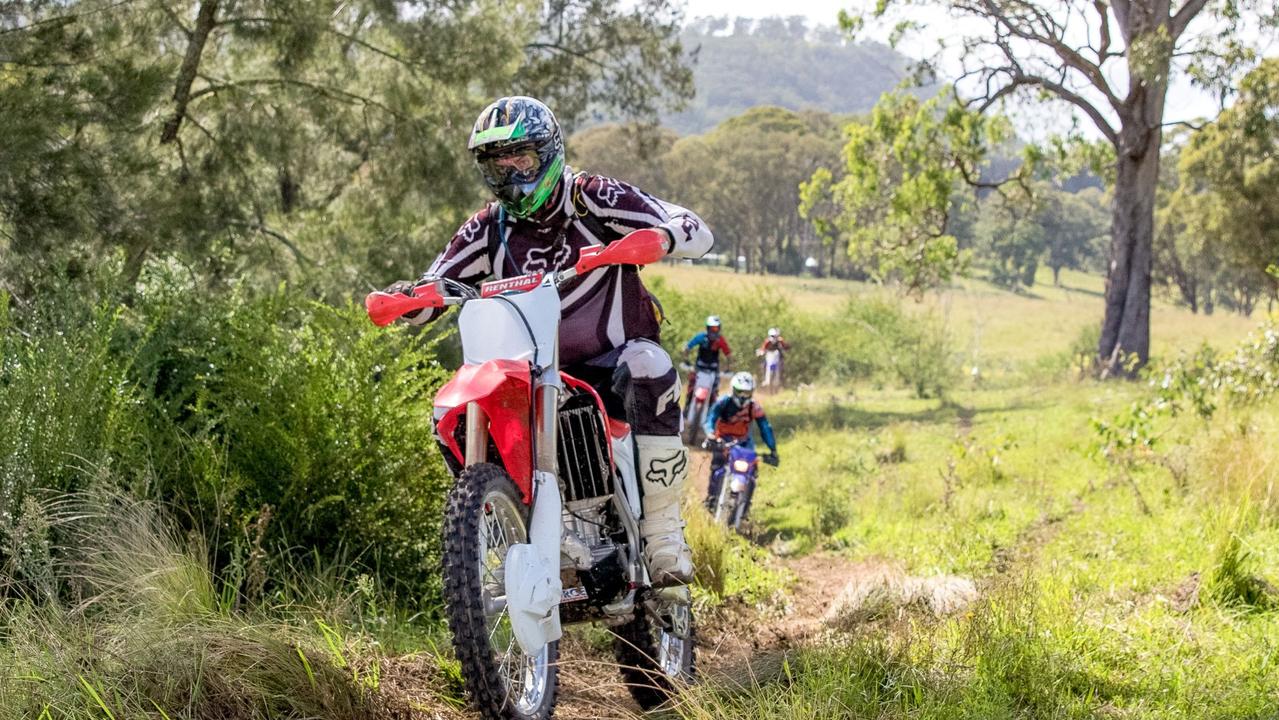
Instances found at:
x=403 y=287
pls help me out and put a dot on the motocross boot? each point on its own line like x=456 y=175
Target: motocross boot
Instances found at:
x=663 y=465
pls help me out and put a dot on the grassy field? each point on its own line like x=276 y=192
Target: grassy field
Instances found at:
x=1105 y=588
x=990 y=326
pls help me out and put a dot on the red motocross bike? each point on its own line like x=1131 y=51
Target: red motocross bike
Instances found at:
x=542 y=524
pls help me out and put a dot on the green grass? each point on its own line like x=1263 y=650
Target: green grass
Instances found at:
x=1142 y=589
x=1137 y=590
x=142 y=629
x=989 y=326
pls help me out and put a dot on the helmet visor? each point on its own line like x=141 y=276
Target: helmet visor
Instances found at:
x=516 y=166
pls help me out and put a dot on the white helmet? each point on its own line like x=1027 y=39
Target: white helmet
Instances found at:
x=712 y=321
x=743 y=383
x=774 y=332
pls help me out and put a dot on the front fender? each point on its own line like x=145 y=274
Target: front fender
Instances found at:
x=504 y=391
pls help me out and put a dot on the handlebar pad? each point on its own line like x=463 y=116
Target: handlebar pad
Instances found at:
x=641 y=247
x=384 y=308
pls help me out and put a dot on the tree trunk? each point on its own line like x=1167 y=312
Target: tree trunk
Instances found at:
x=1056 y=276
x=1125 y=331
x=204 y=22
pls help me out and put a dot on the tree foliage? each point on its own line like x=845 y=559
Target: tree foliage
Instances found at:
x=901 y=171
x=743 y=177
x=308 y=137
x=1051 y=227
x=1222 y=218
x=1112 y=63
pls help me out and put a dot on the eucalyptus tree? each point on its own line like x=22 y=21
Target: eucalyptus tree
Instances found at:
x=1112 y=62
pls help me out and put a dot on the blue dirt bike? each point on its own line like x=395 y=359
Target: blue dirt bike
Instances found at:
x=737 y=478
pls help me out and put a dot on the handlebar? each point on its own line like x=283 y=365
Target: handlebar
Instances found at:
x=641 y=247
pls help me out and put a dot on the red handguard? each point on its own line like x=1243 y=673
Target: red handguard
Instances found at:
x=642 y=247
x=384 y=308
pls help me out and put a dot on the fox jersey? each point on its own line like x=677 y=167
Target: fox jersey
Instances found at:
x=600 y=310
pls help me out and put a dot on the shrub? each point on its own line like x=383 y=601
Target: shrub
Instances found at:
x=284 y=430
x=867 y=338
x=284 y=407
x=68 y=416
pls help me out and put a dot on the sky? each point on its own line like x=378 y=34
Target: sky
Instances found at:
x=1184 y=101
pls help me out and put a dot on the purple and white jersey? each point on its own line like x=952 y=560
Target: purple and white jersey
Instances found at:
x=600 y=310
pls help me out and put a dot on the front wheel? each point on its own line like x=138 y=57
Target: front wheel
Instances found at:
x=655 y=661
x=693 y=433
x=740 y=504
x=485 y=516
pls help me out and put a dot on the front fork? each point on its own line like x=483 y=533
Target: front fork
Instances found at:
x=533 y=586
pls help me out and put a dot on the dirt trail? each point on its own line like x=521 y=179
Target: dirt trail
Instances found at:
x=735 y=643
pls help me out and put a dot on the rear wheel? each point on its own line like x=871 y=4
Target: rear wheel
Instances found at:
x=485 y=517
x=655 y=661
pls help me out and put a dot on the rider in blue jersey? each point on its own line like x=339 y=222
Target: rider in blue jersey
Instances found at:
x=730 y=420
x=709 y=345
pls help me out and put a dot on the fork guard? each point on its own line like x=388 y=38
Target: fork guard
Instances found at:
x=503 y=389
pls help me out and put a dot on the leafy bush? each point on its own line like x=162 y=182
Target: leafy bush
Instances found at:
x=302 y=423
x=1202 y=382
x=868 y=338
x=283 y=429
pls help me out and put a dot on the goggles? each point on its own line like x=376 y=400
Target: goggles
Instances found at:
x=518 y=166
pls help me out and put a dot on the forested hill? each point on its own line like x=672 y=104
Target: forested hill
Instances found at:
x=742 y=63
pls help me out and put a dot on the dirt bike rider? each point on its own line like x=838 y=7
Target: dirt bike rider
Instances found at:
x=774 y=341
x=709 y=345
x=544 y=214
x=730 y=420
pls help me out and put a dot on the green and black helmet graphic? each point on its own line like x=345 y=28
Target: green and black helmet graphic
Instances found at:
x=520 y=152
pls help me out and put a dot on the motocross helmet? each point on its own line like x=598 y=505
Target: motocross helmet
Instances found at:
x=519 y=150
x=712 y=323
x=774 y=333
x=743 y=385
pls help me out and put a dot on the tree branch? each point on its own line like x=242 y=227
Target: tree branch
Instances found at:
x=215 y=87
x=284 y=240
x=565 y=50
x=1050 y=35
x=1182 y=19
x=1075 y=99
x=1103 y=47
